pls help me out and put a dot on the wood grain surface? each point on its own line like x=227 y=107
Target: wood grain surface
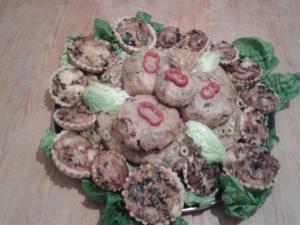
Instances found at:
x=32 y=34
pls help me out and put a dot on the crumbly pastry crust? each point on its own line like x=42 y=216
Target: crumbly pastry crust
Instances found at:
x=69 y=125
x=142 y=174
x=67 y=170
x=264 y=166
x=129 y=48
x=223 y=60
x=58 y=99
x=106 y=180
x=92 y=69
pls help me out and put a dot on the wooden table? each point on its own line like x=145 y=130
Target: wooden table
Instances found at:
x=32 y=34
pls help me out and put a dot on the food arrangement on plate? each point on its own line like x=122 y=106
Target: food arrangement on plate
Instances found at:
x=156 y=122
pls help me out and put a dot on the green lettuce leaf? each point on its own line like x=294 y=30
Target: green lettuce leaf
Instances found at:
x=259 y=50
x=103 y=98
x=103 y=30
x=271 y=140
x=207 y=62
x=206 y=140
x=286 y=85
x=46 y=142
x=146 y=17
x=92 y=191
x=122 y=55
x=64 y=59
x=191 y=199
x=179 y=221
x=238 y=201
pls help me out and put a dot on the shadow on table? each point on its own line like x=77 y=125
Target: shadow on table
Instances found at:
x=48 y=101
x=223 y=218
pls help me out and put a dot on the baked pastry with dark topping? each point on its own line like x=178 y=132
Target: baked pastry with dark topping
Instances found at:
x=144 y=124
x=201 y=177
x=73 y=154
x=261 y=98
x=109 y=171
x=169 y=37
x=252 y=128
x=244 y=72
x=255 y=167
x=91 y=54
x=76 y=117
x=67 y=86
x=153 y=195
x=194 y=40
x=228 y=52
x=134 y=34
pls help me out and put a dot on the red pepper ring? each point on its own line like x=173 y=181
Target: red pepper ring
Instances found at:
x=151 y=54
x=148 y=105
x=207 y=92
x=175 y=75
x=215 y=86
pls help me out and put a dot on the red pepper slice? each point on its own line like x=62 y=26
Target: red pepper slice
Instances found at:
x=175 y=75
x=155 y=56
x=215 y=86
x=155 y=120
x=210 y=90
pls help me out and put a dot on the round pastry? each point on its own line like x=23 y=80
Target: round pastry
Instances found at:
x=228 y=52
x=73 y=154
x=145 y=124
x=261 y=98
x=194 y=40
x=67 y=86
x=244 y=72
x=139 y=72
x=134 y=34
x=91 y=54
x=251 y=127
x=76 y=117
x=212 y=104
x=169 y=37
x=255 y=167
x=174 y=87
x=109 y=171
x=201 y=177
x=153 y=195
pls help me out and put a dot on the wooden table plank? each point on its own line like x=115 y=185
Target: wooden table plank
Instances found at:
x=32 y=34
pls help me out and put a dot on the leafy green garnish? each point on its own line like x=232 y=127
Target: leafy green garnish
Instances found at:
x=179 y=221
x=146 y=17
x=46 y=142
x=64 y=59
x=271 y=140
x=206 y=140
x=259 y=50
x=192 y=199
x=92 y=191
x=122 y=55
x=103 y=98
x=238 y=201
x=103 y=30
x=208 y=62
x=286 y=85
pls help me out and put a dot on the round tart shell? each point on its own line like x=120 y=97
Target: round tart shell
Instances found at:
x=91 y=69
x=71 y=125
x=71 y=172
x=167 y=173
x=129 y=48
